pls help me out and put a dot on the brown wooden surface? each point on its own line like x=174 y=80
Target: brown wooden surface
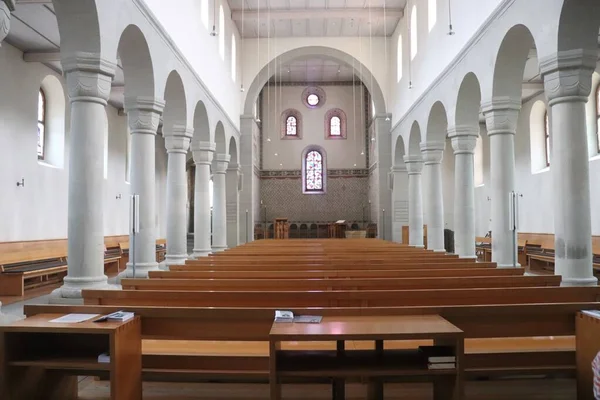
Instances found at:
x=588 y=348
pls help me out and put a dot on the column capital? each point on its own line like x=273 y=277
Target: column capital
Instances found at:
x=501 y=115
x=433 y=151
x=177 y=139
x=6 y=7
x=464 y=141
x=10 y=4
x=89 y=77
x=414 y=164
x=220 y=163
x=203 y=152
x=568 y=75
x=143 y=114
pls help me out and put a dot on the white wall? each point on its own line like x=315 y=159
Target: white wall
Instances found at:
x=341 y=153
x=39 y=210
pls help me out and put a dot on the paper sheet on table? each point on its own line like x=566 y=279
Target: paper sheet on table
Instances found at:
x=73 y=318
x=592 y=313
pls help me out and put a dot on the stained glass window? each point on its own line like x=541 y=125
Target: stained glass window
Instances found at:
x=291 y=124
x=41 y=124
x=547 y=139
x=335 y=125
x=314 y=171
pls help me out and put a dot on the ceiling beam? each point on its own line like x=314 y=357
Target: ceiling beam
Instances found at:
x=320 y=13
x=41 y=56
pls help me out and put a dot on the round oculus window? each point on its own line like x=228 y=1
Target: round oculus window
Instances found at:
x=312 y=100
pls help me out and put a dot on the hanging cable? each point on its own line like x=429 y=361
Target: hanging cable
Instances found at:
x=258 y=54
x=410 y=42
x=387 y=63
x=242 y=51
x=450 y=30
x=214 y=29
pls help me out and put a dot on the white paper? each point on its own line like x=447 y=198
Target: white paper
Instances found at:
x=592 y=313
x=73 y=318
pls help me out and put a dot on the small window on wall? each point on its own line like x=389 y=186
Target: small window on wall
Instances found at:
x=414 y=42
x=41 y=124
x=221 y=33
x=399 y=59
x=313 y=170
x=335 y=124
x=291 y=123
x=539 y=136
x=233 y=58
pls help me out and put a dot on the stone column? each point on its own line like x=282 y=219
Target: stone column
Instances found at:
x=88 y=83
x=143 y=115
x=414 y=166
x=249 y=152
x=383 y=147
x=399 y=181
x=567 y=82
x=219 y=202
x=433 y=152
x=232 y=178
x=177 y=142
x=6 y=6
x=203 y=155
x=464 y=140
x=501 y=115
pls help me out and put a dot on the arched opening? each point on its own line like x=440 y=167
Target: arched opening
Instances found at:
x=51 y=115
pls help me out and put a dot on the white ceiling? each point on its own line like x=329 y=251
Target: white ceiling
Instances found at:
x=316 y=18
x=313 y=70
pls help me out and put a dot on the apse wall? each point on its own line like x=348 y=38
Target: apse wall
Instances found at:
x=39 y=209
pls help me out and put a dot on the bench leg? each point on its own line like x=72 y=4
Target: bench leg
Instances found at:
x=12 y=284
x=40 y=384
x=375 y=390
x=338 y=387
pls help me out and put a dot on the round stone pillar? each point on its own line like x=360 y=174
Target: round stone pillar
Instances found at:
x=203 y=156
x=414 y=166
x=399 y=183
x=232 y=178
x=464 y=140
x=567 y=82
x=433 y=152
x=219 y=222
x=88 y=83
x=177 y=142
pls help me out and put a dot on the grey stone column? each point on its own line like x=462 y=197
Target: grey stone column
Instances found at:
x=383 y=147
x=464 y=140
x=399 y=181
x=414 y=166
x=88 y=83
x=567 y=82
x=249 y=145
x=433 y=152
x=143 y=115
x=177 y=142
x=501 y=115
x=203 y=156
x=232 y=182
x=220 y=202
x=6 y=7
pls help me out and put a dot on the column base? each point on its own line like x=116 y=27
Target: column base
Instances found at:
x=141 y=270
x=70 y=291
x=417 y=246
x=469 y=257
x=571 y=282
x=201 y=253
x=173 y=259
x=439 y=251
x=218 y=249
x=508 y=265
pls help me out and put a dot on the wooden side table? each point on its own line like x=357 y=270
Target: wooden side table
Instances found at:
x=41 y=359
x=587 y=340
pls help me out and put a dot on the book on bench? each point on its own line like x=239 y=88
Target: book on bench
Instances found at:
x=117 y=316
x=438 y=354
x=288 y=316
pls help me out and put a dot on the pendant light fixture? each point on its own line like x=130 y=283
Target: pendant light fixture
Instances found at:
x=450 y=30
x=214 y=28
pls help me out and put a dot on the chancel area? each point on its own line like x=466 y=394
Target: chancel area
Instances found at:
x=277 y=199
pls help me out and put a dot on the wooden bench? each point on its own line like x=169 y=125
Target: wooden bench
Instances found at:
x=161 y=250
x=31 y=264
x=337 y=284
x=112 y=261
x=483 y=248
x=349 y=265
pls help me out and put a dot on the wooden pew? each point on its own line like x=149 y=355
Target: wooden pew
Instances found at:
x=364 y=298
x=160 y=251
x=179 y=272
x=340 y=284
x=347 y=265
x=112 y=261
x=483 y=248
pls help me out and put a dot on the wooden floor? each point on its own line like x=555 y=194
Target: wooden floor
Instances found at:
x=559 y=389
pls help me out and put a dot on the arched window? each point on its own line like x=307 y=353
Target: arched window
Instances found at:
x=598 y=116
x=204 y=13
x=41 y=122
x=413 y=33
x=233 y=58
x=547 y=138
x=313 y=167
x=291 y=124
x=221 y=33
x=432 y=13
x=399 y=58
x=335 y=124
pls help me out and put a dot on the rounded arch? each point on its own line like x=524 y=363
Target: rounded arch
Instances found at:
x=468 y=101
x=510 y=62
x=414 y=140
x=437 y=124
x=233 y=151
x=54 y=121
x=328 y=53
x=220 y=139
x=399 y=152
x=175 y=112
x=78 y=26
x=201 y=124
x=579 y=25
x=136 y=60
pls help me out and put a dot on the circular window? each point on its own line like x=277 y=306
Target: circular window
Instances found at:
x=312 y=100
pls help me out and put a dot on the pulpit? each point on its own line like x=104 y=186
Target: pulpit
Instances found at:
x=337 y=230
x=282 y=228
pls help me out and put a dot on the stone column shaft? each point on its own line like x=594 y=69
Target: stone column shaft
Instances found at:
x=220 y=202
x=177 y=142
x=464 y=140
x=143 y=115
x=433 y=152
x=203 y=156
x=232 y=178
x=414 y=166
x=567 y=82
x=501 y=116
x=399 y=177
x=88 y=82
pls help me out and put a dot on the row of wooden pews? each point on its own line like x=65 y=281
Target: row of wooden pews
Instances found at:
x=209 y=320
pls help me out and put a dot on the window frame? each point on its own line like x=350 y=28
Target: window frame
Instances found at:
x=336 y=112
x=42 y=122
x=547 y=138
x=414 y=32
x=291 y=112
x=323 y=154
